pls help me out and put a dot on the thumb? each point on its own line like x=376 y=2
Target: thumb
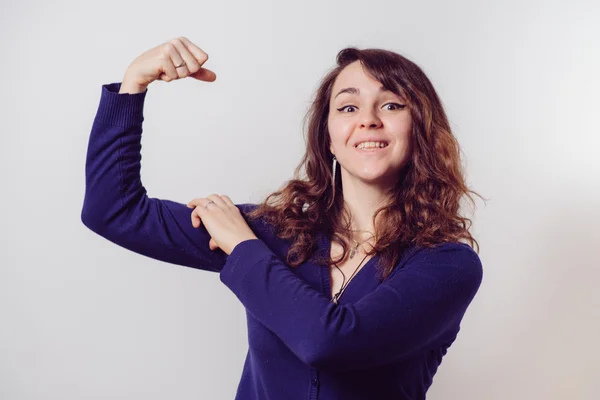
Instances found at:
x=204 y=74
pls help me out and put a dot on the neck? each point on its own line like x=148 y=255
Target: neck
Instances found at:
x=362 y=199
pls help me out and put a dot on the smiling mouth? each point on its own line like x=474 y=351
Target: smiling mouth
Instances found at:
x=371 y=149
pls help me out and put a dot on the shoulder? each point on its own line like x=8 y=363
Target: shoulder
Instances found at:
x=259 y=226
x=452 y=263
x=447 y=253
x=245 y=208
x=450 y=253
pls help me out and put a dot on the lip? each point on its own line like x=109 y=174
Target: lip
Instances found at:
x=378 y=150
x=370 y=139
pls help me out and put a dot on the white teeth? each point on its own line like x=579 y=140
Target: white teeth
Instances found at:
x=369 y=145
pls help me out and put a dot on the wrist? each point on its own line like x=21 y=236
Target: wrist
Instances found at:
x=131 y=87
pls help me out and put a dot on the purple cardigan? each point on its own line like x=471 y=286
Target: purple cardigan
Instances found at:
x=382 y=341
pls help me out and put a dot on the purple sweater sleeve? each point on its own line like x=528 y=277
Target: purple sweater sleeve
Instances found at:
x=116 y=205
x=418 y=307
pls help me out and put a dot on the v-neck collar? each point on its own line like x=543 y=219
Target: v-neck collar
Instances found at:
x=324 y=249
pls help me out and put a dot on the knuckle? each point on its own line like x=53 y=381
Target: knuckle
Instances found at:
x=164 y=57
x=193 y=67
x=169 y=47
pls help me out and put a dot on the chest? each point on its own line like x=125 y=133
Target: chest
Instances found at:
x=346 y=269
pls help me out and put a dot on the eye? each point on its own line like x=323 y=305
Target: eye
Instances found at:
x=340 y=109
x=396 y=107
x=399 y=106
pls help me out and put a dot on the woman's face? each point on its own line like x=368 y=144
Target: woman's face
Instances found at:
x=360 y=111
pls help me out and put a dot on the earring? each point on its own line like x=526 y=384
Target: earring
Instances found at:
x=333 y=180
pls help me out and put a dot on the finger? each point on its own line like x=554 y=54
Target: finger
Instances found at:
x=228 y=201
x=196 y=219
x=218 y=201
x=173 y=58
x=177 y=59
x=212 y=244
x=201 y=201
x=196 y=51
x=191 y=64
x=195 y=202
x=201 y=73
x=204 y=74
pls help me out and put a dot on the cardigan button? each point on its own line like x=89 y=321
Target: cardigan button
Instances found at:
x=314 y=382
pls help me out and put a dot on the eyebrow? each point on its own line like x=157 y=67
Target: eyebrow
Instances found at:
x=353 y=90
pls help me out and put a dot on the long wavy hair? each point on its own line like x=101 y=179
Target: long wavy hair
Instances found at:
x=422 y=209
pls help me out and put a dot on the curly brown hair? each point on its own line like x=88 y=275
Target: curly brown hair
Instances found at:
x=422 y=209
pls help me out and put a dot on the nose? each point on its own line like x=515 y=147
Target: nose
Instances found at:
x=370 y=119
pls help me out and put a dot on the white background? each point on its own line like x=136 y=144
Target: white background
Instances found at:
x=81 y=318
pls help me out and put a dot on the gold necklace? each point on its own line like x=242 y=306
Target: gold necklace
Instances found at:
x=356 y=244
x=337 y=296
x=353 y=250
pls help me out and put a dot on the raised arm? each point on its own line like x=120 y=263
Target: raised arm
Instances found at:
x=116 y=205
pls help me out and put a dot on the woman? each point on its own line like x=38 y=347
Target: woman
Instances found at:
x=379 y=203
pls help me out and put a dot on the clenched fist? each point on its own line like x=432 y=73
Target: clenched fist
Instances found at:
x=175 y=59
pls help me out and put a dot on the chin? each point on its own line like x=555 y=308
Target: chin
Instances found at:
x=372 y=179
x=382 y=178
